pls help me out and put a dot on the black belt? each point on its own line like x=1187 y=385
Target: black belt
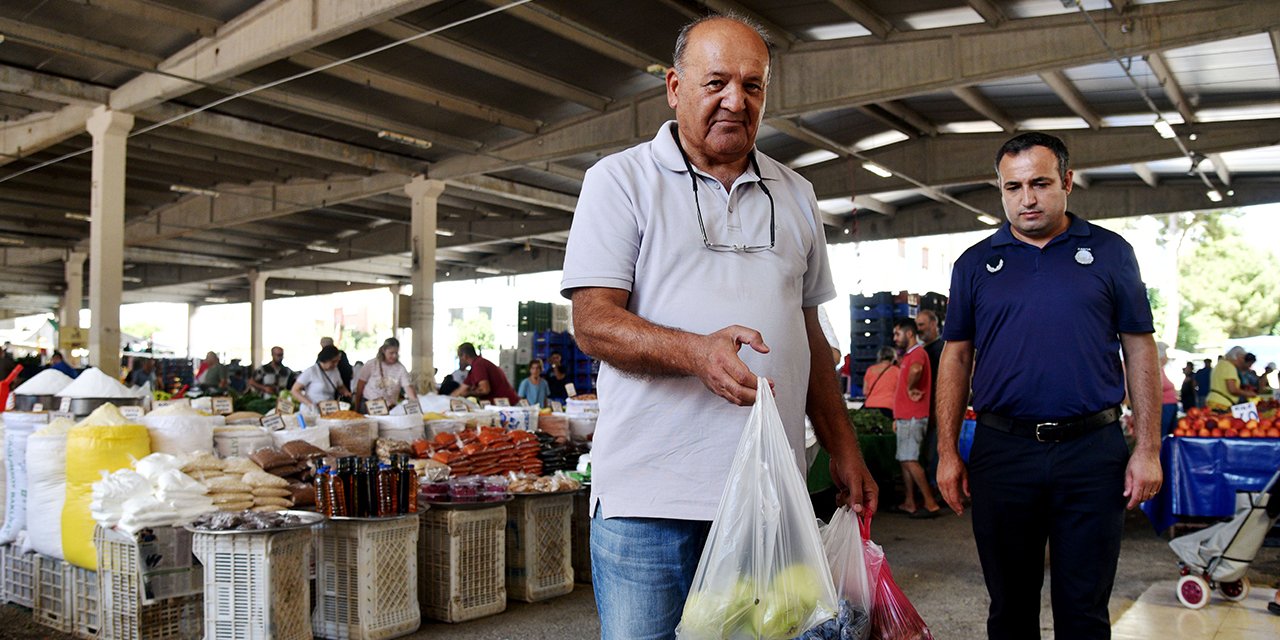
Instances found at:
x=1051 y=430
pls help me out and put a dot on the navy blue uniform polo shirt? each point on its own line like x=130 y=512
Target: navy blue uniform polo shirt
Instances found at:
x=1045 y=323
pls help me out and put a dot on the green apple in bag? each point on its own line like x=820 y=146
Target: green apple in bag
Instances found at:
x=717 y=614
x=792 y=596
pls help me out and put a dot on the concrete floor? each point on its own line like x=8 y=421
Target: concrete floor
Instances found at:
x=936 y=565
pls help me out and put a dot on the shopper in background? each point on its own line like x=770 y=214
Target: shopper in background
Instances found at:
x=213 y=376
x=931 y=338
x=1248 y=377
x=485 y=380
x=143 y=372
x=273 y=376
x=535 y=389
x=321 y=381
x=667 y=305
x=1189 y=393
x=1204 y=379
x=57 y=362
x=556 y=377
x=344 y=366
x=1265 y=388
x=911 y=404
x=1046 y=303
x=880 y=383
x=384 y=377
x=1225 y=388
x=1168 y=395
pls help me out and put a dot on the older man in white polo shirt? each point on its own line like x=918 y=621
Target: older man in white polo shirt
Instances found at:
x=683 y=251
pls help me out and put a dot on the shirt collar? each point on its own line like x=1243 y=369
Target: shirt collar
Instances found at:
x=1078 y=227
x=667 y=155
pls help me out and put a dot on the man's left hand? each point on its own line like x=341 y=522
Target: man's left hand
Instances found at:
x=1143 y=477
x=915 y=394
x=854 y=485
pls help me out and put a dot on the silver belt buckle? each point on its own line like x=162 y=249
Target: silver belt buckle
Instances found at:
x=1045 y=424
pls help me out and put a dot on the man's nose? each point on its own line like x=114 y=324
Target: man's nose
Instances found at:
x=1028 y=198
x=734 y=99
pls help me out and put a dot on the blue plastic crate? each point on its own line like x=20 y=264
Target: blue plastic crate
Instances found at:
x=905 y=310
x=865 y=312
x=881 y=297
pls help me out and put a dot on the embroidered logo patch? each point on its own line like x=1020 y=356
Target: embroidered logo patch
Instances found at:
x=1084 y=256
x=994 y=264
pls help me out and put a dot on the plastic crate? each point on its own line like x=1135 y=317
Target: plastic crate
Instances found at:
x=904 y=297
x=539 y=554
x=462 y=563
x=121 y=594
x=878 y=298
x=53 y=593
x=534 y=316
x=581 y=542
x=255 y=585
x=367 y=579
x=874 y=311
x=86 y=609
x=905 y=310
x=19 y=576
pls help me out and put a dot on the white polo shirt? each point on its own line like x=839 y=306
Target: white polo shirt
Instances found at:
x=663 y=446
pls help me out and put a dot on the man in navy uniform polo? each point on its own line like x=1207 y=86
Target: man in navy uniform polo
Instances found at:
x=1044 y=308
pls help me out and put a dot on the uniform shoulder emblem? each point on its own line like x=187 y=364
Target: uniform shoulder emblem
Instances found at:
x=994 y=264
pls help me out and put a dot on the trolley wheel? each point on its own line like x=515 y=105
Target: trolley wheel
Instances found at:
x=1235 y=591
x=1193 y=592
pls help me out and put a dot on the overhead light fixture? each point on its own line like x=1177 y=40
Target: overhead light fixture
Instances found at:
x=216 y=300
x=988 y=220
x=383 y=281
x=448 y=233
x=1214 y=195
x=12 y=241
x=1231 y=192
x=489 y=270
x=321 y=248
x=657 y=71
x=1164 y=128
x=133 y=279
x=404 y=139
x=197 y=191
x=83 y=217
x=1193 y=137
x=284 y=292
x=877 y=169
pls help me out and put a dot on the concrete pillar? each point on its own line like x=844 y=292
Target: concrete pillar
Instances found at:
x=257 y=293
x=425 y=195
x=192 y=308
x=73 y=297
x=106 y=235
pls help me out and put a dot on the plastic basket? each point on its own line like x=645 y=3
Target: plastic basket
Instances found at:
x=582 y=536
x=462 y=563
x=86 y=610
x=53 y=593
x=539 y=562
x=255 y=585
x=19 y=576
x=367 y=579
x=120 y=596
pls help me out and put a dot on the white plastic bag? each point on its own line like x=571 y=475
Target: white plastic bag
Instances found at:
x=854 y=579
x=763 y=574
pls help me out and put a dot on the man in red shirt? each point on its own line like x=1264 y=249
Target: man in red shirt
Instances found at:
x=911 y=416
x=485 y=381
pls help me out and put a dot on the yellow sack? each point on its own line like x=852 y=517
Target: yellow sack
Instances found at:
x=91 y=449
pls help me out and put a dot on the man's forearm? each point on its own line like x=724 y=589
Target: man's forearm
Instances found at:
x=607 y=331
x=914 y=374
x=1142 y=371
x=955 y=371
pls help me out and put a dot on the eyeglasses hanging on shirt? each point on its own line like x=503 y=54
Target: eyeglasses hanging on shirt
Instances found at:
x=714 y=246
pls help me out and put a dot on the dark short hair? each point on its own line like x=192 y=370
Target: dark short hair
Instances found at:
x=56 y=354
x=1019 y=143
x=328 y=353
x=682 y=38
x=1249 y=357
x=907 y=323
x=468 y=349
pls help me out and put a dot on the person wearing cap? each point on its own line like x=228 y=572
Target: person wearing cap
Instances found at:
x=1039 y=317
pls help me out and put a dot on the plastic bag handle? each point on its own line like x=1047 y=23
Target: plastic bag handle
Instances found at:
x=864 y=525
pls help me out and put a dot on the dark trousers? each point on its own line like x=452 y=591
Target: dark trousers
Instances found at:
x=1069 y=494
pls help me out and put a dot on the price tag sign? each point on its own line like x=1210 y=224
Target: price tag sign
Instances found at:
x=172 y=402
x=65 y=405
x=522 y=403
x=131 y=413
x=570 y=390
x=284 y=406
x=329 y=406
x=485 y=403
x=502 y=402
x=458 y=404
x=376 y=407
x=222 y=405
x=1245 y=411
x=37 y=407
x=54 y=415
x=557 y=407
x=412 y=408
x=273 y=422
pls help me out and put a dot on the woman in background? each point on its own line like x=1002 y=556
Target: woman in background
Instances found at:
x=880 y=383
x=384 y=377
x=534 y=388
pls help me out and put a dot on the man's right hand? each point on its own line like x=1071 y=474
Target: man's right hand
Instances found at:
x=953 y=478
x=722 y=371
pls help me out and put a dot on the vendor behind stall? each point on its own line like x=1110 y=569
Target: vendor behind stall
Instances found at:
x=321 y=381
x=485 y=380
x=1224 y=386
x=384 y=377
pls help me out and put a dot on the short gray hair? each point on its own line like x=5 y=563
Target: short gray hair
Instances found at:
x=886 y=354
x=682 y=39
x=1235 y=352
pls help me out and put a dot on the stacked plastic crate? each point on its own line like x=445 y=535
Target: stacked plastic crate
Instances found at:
x=870 y=327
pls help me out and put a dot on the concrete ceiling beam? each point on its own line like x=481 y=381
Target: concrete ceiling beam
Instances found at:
x=1071 y=96
x=157 y=13
x=990 y=11
x=985 y=107
x=579 y=34
x=865 y=16
x=1164 y=75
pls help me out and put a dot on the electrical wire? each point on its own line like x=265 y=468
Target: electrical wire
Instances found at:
x=275 y=83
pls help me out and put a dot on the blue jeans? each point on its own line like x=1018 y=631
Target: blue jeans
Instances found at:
x=641 y=569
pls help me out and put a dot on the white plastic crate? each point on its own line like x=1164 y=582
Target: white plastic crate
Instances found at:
x=255 y=585
x=53 y=593
x=367 y=579
x=538 y=550
x=462 y=563
x=582 y=536
x=120 y=596
x=19 y=577
x=86 y=610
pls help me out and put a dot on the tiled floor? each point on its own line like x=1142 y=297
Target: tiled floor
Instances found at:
x=1158 y=614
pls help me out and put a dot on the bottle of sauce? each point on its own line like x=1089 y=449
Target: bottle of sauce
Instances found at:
x=336 y=494
x=388 y=491
x=322 y=484
x=349 y=472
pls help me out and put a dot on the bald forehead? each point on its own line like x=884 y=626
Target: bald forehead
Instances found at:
x=725 y=34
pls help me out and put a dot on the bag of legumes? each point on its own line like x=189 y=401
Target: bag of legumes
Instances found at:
x=763 y=574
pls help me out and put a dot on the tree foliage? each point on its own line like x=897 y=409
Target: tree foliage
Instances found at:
x=1230 y=289
x=478 y=330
